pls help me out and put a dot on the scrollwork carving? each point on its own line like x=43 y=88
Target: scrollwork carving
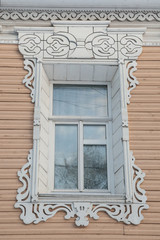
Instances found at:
x=59 y=45
x=33 y=212
x=130 y=46
x=29 y=80
x=131 y=79
x=82 y=15
x=25 y=178
x=30 y=44
x=63 y=45
x=101 y=44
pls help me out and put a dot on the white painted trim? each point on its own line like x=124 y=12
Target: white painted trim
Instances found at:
x=80 y=14
x=80 y=23
x=35 y=209
x=146 y=4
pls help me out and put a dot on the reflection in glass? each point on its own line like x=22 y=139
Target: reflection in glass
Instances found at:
x=66 y=157
x=69 y=100
x=95 y=167
x=94 y=132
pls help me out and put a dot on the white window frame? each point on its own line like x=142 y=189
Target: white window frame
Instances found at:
x=83 y=40
x=80 y=122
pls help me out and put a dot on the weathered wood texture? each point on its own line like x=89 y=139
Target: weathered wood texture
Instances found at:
x=16 y=116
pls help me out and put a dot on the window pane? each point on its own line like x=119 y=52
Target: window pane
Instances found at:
x=69 y=100
x=95 y=167
x=66 y=157
x=94 y=132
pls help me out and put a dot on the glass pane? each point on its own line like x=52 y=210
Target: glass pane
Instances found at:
x=66 y=157
x=69 y=100
x=95 y=167
x=94 y=132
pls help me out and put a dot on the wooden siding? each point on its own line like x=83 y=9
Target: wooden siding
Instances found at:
x=16 y=116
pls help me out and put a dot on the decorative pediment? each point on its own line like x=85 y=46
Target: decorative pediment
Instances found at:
x=87 y=40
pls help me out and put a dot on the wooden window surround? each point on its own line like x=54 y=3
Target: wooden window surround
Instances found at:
x=102 y=50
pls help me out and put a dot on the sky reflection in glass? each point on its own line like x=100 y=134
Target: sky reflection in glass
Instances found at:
x=69 y=100
x=94 y=132
x=66 y=157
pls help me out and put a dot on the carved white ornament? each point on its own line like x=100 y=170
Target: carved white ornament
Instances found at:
x=97 y=44
x=124 y=48
x=83 y=15
x=132 y=81
x=37 y=212
x=29 y=80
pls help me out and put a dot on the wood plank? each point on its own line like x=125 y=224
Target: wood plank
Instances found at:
x=144 y=98
x=13 y=217
x=148 y=165
x=7 y=206
x=16 y=144
x=148 y=64
x=10 y=55
x=137 y=125
x=11 y=47
x=143 y=229
x=12 y=71
x=15 y=97
x=16 y=124
x=151 y=218
x=49 y=228
x=152 y=174
x=19 y=106
x=144 y=145
x=146 y=90
x=152 y=49
x=149 y=81
x=11 y=82
x=6 y=195
x=9 y=184
x=13 y=153
x=15 y=89
x=153 y=196
x=77 y=237
x=147 y=71
x=9 y=62
x=145 y=117
x=14 y=115
x=152 y=185
x=12 y=78
x=143 y=135
x=8 y=174
x=149 y=56
x=12 y=163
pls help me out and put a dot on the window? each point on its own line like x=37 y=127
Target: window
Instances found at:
x=85 y=154
x=81 y=135
x=97 y=171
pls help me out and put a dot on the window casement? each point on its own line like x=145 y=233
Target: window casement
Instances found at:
x=80 y=85
x=80 y=123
